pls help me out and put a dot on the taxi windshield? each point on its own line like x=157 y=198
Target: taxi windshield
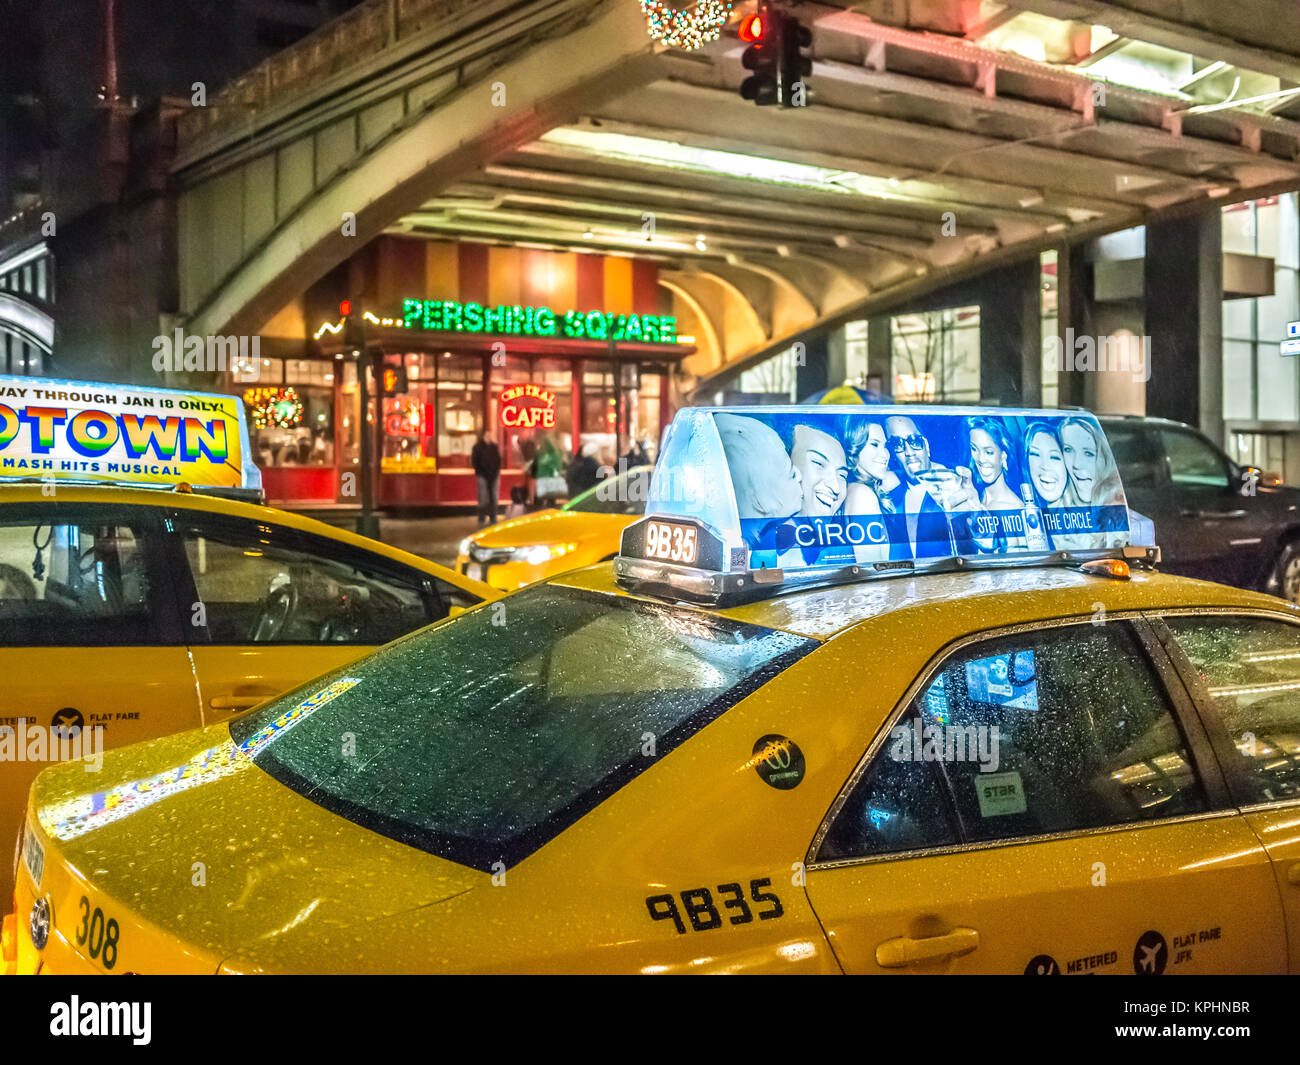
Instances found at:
x=624 y=494
x=481 y=739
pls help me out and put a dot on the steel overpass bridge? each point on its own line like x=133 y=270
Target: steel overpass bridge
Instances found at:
x=943 y=138
x=27 y=329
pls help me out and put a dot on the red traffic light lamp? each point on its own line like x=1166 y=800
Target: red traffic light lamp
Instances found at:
x=763 y=56
x=778 y=56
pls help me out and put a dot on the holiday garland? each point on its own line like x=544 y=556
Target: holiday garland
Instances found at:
x=278 y=408
x=688 y=28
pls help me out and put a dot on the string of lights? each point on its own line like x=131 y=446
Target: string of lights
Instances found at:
x=278 y=408
x=686 y=28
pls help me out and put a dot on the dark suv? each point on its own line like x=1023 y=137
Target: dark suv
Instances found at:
x=1214 y=519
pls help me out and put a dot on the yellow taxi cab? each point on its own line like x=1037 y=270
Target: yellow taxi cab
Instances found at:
x=128 y=613
x=583 y=531
x=989 y=739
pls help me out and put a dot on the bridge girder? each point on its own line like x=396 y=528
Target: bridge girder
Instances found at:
x=921 y=158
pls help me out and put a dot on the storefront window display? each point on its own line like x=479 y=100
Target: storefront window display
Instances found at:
x=428 y=409
x=599 y=414
x=459 y=408
x=408 y=421
x=291 y=413
x=521 y=415
x=645 y=404
x=552 y=381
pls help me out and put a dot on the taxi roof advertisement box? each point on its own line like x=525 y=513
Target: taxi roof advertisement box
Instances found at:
x=81 y=431
x=800 y=487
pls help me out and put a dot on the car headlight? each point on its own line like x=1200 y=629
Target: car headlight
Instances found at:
x=539 y=553
x=464 y=547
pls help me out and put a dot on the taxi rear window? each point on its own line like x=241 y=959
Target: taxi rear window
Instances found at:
x=481 y=739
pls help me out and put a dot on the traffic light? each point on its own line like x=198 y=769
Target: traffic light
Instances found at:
x=395 y=381
x=795 y=66
x=763 y=56
x=354 y=329
x=776 y=54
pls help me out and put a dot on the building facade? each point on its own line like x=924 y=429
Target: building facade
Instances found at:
x=462 y=339
x=1186 y=319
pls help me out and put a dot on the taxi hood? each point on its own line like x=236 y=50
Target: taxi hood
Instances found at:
x=186 y=836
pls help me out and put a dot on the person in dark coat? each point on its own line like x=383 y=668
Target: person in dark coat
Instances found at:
x=637 y=455
x=486 y=460
x=583 y=471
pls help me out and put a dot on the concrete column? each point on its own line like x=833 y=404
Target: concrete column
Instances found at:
x=812 y=376
x=880 y=352
x=837 y=368
x=1184 y=320
x=1073 y=319
x=1011 y=335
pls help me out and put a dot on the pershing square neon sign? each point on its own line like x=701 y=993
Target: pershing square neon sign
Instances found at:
x=448 y=316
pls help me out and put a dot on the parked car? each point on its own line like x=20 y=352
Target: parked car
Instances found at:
x=1214 y=519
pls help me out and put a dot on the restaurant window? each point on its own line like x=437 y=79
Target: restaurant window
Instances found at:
x=290 y=411
x=409 y=434
x=599 y=413
x=518 y=443
x=348 y=438
x=459 y=408
x=645 y=428
x=556 y=376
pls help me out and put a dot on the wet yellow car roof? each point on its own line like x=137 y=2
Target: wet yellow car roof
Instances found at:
x=15 y=493
x=983 y=598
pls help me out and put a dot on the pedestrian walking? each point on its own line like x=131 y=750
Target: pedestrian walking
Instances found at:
x=548 y=469
x=486 y=460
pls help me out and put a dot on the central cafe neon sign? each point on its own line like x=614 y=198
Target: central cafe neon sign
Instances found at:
x=527 y=407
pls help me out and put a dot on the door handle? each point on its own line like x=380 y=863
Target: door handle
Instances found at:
x=238 y=702
x=1293 y=874
x=896 y=953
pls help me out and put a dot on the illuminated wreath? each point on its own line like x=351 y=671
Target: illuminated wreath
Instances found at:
x=278 y=408
x=688 y=27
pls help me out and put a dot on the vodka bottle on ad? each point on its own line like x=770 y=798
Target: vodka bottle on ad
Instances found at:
x=1035 y=535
